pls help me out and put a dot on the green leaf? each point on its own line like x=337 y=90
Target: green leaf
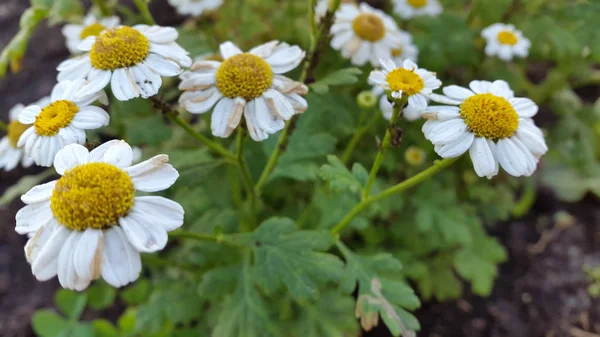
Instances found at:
x=301 y=158
x=331 y=316
x=100 y=296
x=491 y=11
x=379 y=292
x=245 y=313
x=294 y=259
x=82 y=330
x=218 y=282
x=70 y=303
x=127 y=321
x=338 y=176
x=147 y=131
x=14 y=51
x=103 y=328
x=137 y=293
x=337 y=78
x=477 y=263
x=47 y=323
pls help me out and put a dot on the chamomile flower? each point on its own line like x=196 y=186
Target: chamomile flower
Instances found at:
x=410 y=8
x=89 y=223
x=406 y=49
x=131 y=59
x=10 y=153
x=248 y=84
x=195 y=7
x=91 y=26
x=61 y=121
x=363 y=33
x=408 y=81
x=491 y=123
x=505 y=41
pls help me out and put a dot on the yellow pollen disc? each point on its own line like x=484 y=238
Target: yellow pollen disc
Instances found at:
x=14 y=132
x=54 y=117
x=414 y=156
x=92 y=30
x=405 y=80
x=244 y=75
x=397 y=51
x=489 y=116
x=506 y=37
x=417 y=3
x=368 y=27
x=93 y=195
x=119 y=48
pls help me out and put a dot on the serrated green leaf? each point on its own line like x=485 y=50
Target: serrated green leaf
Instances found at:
x=490 y=11
x=47 y=323
x=331 y=316
x=379 y=292
x=290 y=258
x=339 y=178
x=245 y=313
x=218 y=282
x=477 y=263
x=301 y=158
x=337 y=78
x=137 y=293
x=14 y=51
x=100 y=295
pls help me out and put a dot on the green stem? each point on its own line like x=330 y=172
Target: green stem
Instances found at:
x=384 y=145
x=214 y=147
x=401 y=187
x=142 y=6
x=104 y=10
x=246 y=176
x=315 y=39
x=527 y=199
x=361 y=129
x=220 y=238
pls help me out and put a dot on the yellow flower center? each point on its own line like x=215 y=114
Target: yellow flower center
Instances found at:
x=244 y=75
x=92 y=30
x=119 y=48
x=414 y=156
x=54 y=117
x=397 y=51
x=369 y=27
x=489 y=116
x=14 y=132
x=405 y=80
x=417 y=3
x=93 y=195
x=506 y=37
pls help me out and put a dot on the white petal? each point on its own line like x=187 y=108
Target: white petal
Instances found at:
x=121 y=263
x=285 y=59
x=70 y=156
x=96 y=81
x=38 y=241
x=144 y=236
x=27 y=115
x=97 y=154
x=45 y=265
x=162 y=66
x=457 y=147
x=31 y=217
x=264 y=118
x=90 y=117
x=39 y=193
x=88 y=254
x=480 y=87
x=119 y=154
x=441 y=112
x=484 y=161
x=200 y=101
x=264 y=50
x=159 y=211
x=444 y=99
x=198 y=81
x=501 y=88
x=456 y=92
x=158 y=34
x=524 y=107
x=67 y=276
x=256 y=132
x=123 y=85
x=532 y=138
x=220 y=116
x=228 y=49
x=514 y=157
x=417 y=101
x=154 y=174
x=172 y=51
x=147 y=81
x=443 y=132
x=278 y=104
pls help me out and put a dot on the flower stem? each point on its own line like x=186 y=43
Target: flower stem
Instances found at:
x=246 y=177
x=315 y=40
x=220 y=238
x=401 y=187
x=104 y=10
x=361 y=129
x=384 y=145
x=142 y=6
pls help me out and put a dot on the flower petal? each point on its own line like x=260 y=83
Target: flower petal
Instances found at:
x=45 y=264
x=159 y=211
x=483 y=158
x=70 y=156
x=154 y=174
x=144 y=236
x=88 y=254
x=121 y=263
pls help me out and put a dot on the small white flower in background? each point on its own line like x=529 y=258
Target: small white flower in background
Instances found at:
x=10 y=153
x=406 y=49
x=323 y=5
x=363 y=33
x=407 y=9
x=89 y=223
x=131 y=59
x=195 y=7
x=505 y=41
x=246 y=83
x=61 y=121
x=407 y=80
x=491 y=123
x=91 y=26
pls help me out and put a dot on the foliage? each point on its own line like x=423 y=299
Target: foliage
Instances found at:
x=273 y=260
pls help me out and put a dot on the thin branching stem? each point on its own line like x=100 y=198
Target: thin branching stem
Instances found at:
x=142 y=6
x=246 y=177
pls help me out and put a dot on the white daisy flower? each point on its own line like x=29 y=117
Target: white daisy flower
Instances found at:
x=505 y=41
x=132 y=59
x=364 y=34
x=246 y=83
x=491 y=123
x=91 y=26
x=410 y=8
x=406 y=49
x=407 y=80
x=195 y=7
x=89 y=223
x=10 y=153
x=61 y=121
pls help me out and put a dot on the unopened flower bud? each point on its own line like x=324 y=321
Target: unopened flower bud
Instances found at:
x=366 y=100
x=414 y=156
